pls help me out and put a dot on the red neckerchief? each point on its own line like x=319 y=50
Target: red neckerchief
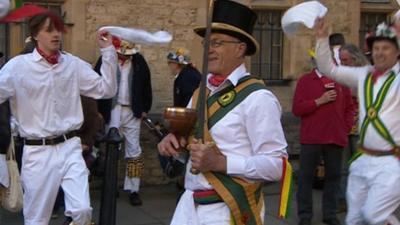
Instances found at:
x=216 y=80
x=122 y=59
x=376 y=74
x=52 y=59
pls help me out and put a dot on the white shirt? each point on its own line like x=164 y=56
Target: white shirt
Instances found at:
x=46 y=98
x=123 y=91
x=250 y=136
x=354 y=77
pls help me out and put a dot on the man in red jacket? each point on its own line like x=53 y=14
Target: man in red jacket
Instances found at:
x=324 y=107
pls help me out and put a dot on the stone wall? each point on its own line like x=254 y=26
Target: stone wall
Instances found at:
x=180 y=17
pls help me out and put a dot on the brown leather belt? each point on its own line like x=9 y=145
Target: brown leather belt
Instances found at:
x=373 y=152
x=51 y=141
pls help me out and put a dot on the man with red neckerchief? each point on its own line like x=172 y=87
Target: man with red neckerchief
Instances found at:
x=45 y=88
x=372 y=192
x=124 y=112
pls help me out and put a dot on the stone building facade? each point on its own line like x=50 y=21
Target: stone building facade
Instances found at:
x=84 y=17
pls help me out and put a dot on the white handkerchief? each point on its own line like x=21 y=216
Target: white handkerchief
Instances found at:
x=4 y=176
x=303 y=13
x=139 y=36
x=4 y=7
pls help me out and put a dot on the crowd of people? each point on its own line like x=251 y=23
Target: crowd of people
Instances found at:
x=56 y=106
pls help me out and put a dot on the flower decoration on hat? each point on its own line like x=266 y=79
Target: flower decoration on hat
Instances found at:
x=383 y=32
x=180 y=56
x=124 y=47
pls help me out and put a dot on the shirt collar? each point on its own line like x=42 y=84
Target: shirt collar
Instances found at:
x=233 y=78
x=395 y=69
x=36 y=57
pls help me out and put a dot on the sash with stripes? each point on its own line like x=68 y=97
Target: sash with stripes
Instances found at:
x=372 y=111
x=244 y=199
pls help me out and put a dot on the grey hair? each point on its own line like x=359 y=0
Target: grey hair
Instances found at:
x=356 y=54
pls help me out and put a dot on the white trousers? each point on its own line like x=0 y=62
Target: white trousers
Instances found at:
x=44 y=169
x=187 y=213
x=129 y=127
x=373 y=192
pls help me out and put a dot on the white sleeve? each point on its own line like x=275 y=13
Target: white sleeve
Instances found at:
x=263 y=126
x=6 y=85
x=345 y=75
x=93 y=85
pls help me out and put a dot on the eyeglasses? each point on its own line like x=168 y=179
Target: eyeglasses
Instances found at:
x=218 y=43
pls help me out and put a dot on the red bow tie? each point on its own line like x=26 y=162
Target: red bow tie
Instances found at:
x=52 y=59
x=216 y=80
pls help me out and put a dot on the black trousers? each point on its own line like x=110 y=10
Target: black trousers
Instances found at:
x=310 y=156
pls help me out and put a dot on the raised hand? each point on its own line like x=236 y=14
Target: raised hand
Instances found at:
x=321 y=29
x=104 y=39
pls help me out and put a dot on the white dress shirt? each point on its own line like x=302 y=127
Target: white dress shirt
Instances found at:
x=123 y=90
x=46 y=97
x=250 y=136
x=354 y=77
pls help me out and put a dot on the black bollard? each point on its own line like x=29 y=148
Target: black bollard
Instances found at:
x=108 y=205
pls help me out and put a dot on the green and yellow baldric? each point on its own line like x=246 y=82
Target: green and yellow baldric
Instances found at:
x=244 y=199
x=372 y=111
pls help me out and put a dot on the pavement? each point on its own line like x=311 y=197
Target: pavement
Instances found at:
x=159 y=204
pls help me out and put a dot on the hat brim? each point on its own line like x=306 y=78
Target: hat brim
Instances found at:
x=252 y=44
x=371 y=40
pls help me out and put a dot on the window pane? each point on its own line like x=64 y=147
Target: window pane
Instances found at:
x=368 y=22
x=267 y=63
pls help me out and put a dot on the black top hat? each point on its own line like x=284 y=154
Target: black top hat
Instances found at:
x=383 y=32
x=233 y=19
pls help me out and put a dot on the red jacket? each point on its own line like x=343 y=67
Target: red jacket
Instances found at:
x=327 y=124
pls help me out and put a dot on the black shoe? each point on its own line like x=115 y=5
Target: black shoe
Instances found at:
x=113 y=135
x=134 y=199
x=305 y=222
x=332 y=221
x=68 y=221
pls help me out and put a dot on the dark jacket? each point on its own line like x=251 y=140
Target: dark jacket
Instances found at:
x=5 y=131
x=141 y=93
x=185 y=84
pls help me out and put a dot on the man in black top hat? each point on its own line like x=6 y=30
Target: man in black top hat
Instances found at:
x=244 y=139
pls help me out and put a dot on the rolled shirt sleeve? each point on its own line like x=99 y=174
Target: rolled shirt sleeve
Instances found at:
x=345 y=75
x=95 y=86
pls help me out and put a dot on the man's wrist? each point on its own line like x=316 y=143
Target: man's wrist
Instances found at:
x=318 y=102
x=221 y=164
